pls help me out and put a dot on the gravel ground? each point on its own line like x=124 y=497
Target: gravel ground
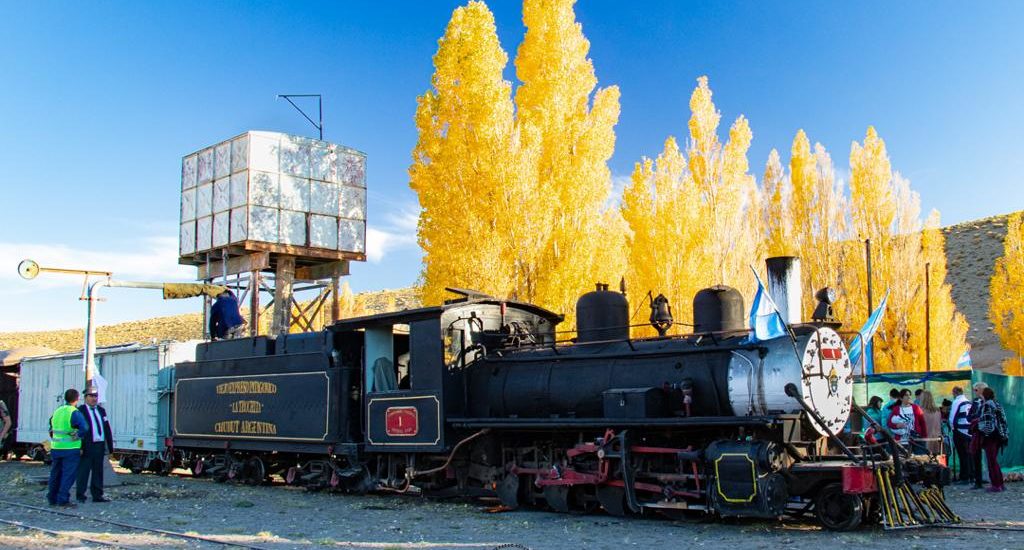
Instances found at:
x=281 y=517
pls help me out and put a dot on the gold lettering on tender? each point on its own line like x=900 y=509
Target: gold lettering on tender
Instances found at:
x=247 y=407
x=226 y=427
x=258 y=428
x=246 y=387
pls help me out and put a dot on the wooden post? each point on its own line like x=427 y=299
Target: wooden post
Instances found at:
x=927 y=319
x=254 y=303
x=285 y=275
x=335 y=299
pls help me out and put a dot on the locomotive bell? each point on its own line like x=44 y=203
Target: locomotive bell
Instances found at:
x=661 y=314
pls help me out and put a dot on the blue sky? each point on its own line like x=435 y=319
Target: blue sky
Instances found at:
x=99 y=101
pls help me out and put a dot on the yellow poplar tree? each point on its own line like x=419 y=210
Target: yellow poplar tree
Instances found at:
x=948 y=326
x=777 y=218
x=1006 y=309
x=661 y=206
x=346 y=301
x=822 y=247
x=464 y=161
x=695 y=219
x=720 y=175
x=886 y=210
x=802 y=176
x=575 y=138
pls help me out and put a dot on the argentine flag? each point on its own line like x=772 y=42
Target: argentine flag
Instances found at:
x=867 y=332
x=764 y=317
x=965 y=360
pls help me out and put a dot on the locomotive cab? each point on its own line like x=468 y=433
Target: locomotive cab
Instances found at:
x=403 y=408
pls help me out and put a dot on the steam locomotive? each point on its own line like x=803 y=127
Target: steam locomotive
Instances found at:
x=478 y=397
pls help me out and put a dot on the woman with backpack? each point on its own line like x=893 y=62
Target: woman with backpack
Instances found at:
x=994 y=436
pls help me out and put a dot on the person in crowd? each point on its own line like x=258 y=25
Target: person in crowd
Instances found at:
x=992 y=426
x=874 y=410
x=94 y=448
x=873 y=431
x=906 y=420
x=5 y=427
x=932 y=422
x=67 y=429
x=225 y=318
x=976 y=439
x=917 y=396
x=960 y=426
x=894 y=396
x=947 y=433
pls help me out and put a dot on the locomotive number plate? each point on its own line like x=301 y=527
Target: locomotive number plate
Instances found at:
x=832 y=354
x=401 y=421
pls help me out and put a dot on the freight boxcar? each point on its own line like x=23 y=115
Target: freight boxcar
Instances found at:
x=137 y=399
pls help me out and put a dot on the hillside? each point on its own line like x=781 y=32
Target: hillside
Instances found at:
x=180 y=327
x=971 y=251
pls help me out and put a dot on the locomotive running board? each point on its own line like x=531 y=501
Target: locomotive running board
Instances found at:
x=692 y=421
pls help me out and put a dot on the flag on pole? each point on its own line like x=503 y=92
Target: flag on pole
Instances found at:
x=965 y=360
x=765 y=319
x=867 y=332
x=100 y=384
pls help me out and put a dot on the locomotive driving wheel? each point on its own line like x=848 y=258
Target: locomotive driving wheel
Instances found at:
x=508 y=491
x=557 y=497
x=837 y=510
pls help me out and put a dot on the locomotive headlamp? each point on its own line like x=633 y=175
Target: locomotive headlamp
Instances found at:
x=827 y=295
x=661 y=314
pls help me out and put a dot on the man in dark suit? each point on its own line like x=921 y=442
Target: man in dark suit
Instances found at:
x=94 y=447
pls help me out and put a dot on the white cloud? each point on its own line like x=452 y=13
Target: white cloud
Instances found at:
x=146 y=258
x=398 y=231
x=49 y=301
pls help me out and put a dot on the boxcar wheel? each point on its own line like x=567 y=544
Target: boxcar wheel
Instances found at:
x=837 y=510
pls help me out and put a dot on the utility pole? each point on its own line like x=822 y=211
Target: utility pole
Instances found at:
x=927 y=319
x=871 y=306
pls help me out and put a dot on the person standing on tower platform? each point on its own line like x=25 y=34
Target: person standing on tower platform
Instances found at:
x=225 y=318
x=94 y=447
x=67 y=429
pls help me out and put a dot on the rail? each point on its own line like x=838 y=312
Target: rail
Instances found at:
x=124 y=526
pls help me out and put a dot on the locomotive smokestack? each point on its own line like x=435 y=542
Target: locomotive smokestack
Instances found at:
x=784 y=287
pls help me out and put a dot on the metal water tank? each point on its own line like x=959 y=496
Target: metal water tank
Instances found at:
x=602 y=315
x=718 y=309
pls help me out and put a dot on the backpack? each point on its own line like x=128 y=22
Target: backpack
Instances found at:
x=1002 y=429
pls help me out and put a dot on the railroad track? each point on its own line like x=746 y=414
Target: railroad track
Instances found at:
x=194 y=540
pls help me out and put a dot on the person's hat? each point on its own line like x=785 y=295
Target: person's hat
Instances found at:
x=92 y=390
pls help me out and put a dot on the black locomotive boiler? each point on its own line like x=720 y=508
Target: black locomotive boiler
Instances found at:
x=477 y=397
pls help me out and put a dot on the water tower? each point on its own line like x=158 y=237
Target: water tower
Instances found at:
x=278 y=214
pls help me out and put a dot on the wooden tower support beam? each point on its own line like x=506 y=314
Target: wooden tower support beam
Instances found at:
x=285 y=276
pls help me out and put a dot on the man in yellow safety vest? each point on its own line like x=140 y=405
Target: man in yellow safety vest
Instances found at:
x=67 y=429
